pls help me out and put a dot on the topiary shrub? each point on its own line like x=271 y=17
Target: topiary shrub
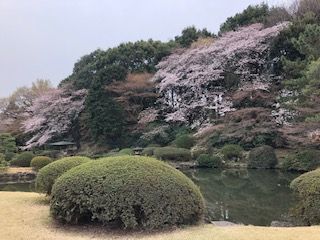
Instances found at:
x=126 y=151
x=48 y=174
x=307 y=188
x=39 y=162
x=22 y=160
x=8 y=156
x=173 y=154
x=208 y=161
x=303 y=161
x=127 y=191
x=232 y=152
x=148 y=151
x=262 y=157
x=185 y=141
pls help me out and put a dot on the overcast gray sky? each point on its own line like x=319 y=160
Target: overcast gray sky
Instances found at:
x=44 y=38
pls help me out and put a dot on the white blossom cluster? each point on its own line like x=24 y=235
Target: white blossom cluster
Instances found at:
x=192 y=82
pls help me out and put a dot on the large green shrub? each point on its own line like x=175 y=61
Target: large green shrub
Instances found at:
x=185 y=141
x=39 y=162
x=173 y=154
x=302 y=161
x=48 y=174
x=126 y=151
x=307 y=188
x=129 y=191
x=209 y=161
x=262 y=157
x=232 y=152
x=148 y=151
x=22 y=160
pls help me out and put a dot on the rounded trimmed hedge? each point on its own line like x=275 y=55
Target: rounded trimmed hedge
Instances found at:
x=209 y=161
x=302 y=161
x=231 y=152
x=126 y=151
x=133 y=192
x=173 y=154
x=39 y=162
x=48 y=174
x=185 y=141
x=262 y=157
x=307 y=188
x=22 y=160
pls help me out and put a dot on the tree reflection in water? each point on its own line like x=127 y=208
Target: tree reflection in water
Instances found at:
x=244 y=196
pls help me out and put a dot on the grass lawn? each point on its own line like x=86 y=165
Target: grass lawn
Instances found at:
x=25 y=216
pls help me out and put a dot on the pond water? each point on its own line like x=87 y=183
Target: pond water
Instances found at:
x=17 y=187
x=255 y=197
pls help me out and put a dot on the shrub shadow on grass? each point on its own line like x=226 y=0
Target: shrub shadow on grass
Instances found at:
x=42 y=200
x=97 y=230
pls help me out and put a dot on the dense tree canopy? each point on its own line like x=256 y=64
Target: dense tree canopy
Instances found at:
x=191 y=34
x=140 y=56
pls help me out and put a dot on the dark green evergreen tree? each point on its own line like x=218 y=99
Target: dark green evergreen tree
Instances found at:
x=105 y=115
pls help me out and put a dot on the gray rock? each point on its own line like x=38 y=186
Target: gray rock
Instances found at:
x=224 y=224
x=281 y=224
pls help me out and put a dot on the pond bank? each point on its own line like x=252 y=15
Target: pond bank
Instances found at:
x=17 y=175
x=34 y=222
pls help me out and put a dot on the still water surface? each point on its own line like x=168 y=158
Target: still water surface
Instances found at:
x=255 y=197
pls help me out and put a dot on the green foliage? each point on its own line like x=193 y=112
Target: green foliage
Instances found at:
x=209 y=161
x=7 y=145
x=312 y=79
x=140 y=56
x=48 y=174
x=283 y=48
x=106 y=117
x=307 y=188
x=148 y=151
x=315 y=118
x=185 y=141
x=22 y=160
x=173 y=154
x=252 y=14
x=129 y=191
x=231 y=152
x=9 y=156
x=190 y=35
x=39 y=162
x=3 y=163
x=126 y=151
x=262 y=157
x=302 y=161
x=308 y=42
x=298 y=48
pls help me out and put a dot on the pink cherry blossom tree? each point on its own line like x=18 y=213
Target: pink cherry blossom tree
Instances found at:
x=196 y=82
x=51 y=115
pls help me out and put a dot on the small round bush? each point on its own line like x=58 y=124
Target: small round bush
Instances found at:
x=303 y=161
x=9 y=156
x=209 y=161
x=185 y=141
x=173 y=154
x=148 y=151
x=39 y=162
x=133 y=192
x=232 y=152
x=262 y=157
x=48 y=174
x=126 y=151
x=22 y=160
x=307 y=188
